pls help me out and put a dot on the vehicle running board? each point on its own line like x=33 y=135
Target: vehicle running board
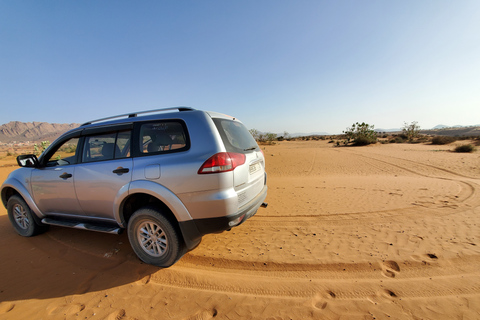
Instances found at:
x=83 y=225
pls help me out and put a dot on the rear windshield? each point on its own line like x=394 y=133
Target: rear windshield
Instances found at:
x=235 y=136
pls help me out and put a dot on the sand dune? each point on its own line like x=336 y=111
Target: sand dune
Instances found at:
x=377 y=232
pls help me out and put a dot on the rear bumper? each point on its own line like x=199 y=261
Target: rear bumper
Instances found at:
x=193 y=230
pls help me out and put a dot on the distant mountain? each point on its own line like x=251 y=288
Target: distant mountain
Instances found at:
x=442 y=129
x=388 y=130
x=299 y=134
x=33 y=131
x=455 y=131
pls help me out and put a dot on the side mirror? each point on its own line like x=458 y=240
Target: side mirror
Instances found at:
x=27 y=160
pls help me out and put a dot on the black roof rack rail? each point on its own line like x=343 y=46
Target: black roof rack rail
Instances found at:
x=135 y=114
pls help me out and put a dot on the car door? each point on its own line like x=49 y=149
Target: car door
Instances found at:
x=105 y=172
x=53 y=184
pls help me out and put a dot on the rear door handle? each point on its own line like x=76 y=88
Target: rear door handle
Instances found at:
x=65 y=175
x=121 y=170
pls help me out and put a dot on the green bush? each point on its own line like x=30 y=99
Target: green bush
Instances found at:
x=363 y=141
x=39 y=149
x=362 y=134
x=411 y=131
x=397 y=139
x=440 y=140
x=465 y=148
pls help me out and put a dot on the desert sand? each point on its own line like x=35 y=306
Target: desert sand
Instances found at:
x=378 y=232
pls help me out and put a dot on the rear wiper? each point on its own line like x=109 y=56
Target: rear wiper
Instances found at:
x=249 y=149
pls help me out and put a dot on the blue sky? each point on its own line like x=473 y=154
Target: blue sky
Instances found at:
x=296 y=66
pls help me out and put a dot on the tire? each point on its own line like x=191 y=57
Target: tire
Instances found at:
x=154 y=238
x=22 y=218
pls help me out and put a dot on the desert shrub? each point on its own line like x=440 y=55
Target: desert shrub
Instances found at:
x=440 y=140
x=255 y=134
x=69 y=148
x=466 y=138
x=363 y=141
x=411 y=130
x=39 y=149
x=397 y=139
x=362 y=134
x=465 y=148
x=270 y=137
x=422 y=138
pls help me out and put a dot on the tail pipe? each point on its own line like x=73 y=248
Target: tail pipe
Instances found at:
x=264 y=205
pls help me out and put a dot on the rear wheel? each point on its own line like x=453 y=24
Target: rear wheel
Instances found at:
x=22 y=218
x=153 y=238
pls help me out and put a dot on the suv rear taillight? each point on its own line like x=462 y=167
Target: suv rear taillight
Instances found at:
x=222 y=162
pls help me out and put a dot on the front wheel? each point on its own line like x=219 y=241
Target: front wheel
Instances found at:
x=153 y=238
x=22 y=219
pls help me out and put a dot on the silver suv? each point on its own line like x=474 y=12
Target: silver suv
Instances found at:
x=168 y=176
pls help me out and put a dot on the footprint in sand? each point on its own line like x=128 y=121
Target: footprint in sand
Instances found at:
x=117 y=315
x=145 y=280
x=319 y=301
x=65 y=309
x=203 y=315
x=6 y=307
x=321 y=305
x=390 y=268
x=389 y=294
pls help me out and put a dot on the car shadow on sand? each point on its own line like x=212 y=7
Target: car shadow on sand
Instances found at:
x=64 y=262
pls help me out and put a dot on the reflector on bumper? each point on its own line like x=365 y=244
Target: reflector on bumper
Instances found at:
x=237 y=221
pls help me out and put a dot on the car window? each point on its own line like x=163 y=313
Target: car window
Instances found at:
x=65 y=154
x=107 y=146
x=235 y=135
x=162 y=136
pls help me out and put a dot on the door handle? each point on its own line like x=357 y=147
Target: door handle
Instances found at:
x=65 y=175
x=121 y=170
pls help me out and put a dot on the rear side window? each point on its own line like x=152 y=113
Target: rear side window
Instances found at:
x=235 y=136
x=163 y=137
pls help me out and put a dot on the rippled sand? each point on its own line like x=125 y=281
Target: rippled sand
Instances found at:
x=377 y=232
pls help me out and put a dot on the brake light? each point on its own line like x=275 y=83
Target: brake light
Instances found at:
x=222 y=162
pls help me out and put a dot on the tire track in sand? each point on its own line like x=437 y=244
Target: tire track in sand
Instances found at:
x=409 y=278
x=325 y=279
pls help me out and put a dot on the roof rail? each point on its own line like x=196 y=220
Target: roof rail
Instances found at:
x=135 y=114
